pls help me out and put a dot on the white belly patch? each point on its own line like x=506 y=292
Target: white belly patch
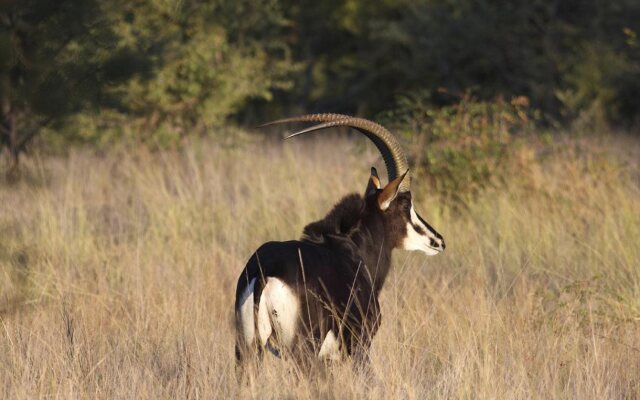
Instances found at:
x=330 y=349
x=278 y=313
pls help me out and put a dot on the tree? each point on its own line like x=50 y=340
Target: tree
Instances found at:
x=57 y=58
x=209 y=59
x=563 y=55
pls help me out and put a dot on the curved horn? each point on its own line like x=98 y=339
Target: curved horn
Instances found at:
x=387 y=144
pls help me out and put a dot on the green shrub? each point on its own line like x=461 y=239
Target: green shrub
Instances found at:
x=599 y=88
x=465 y=147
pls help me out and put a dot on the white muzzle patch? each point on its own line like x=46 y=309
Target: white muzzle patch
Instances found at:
x=421 y=237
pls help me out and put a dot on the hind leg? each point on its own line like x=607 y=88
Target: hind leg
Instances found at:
x=248 y=359
x=246 y=349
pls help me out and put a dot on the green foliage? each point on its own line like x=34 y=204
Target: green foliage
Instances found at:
x=596 y=86
x=465 y=147
x=156 y=71
x=143 y=70
x=209 y=59
x=58 y=59
x=564 y=56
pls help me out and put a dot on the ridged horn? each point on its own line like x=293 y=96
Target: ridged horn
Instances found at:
x=387 y=144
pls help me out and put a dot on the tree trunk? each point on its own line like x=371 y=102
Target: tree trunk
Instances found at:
x=14 y=150
x=10 y=137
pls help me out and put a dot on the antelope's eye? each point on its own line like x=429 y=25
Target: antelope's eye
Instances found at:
x=405 y=204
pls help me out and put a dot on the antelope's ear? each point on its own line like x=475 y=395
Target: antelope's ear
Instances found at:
x=374 y=183
x=390 y=192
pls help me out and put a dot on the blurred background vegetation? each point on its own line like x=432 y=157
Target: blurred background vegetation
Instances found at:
x=467 y=74
x=143 y=187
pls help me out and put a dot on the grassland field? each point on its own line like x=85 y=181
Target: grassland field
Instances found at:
x=118 y=272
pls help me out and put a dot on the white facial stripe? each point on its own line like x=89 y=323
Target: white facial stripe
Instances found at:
x=416 y=221
x=415 y=240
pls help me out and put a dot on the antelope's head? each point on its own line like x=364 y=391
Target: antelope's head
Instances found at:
x=394 y=202
x=405 y=227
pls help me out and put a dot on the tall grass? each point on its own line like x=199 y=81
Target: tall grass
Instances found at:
x=117 y=276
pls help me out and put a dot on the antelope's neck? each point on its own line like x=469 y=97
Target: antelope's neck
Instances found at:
x=375 y=250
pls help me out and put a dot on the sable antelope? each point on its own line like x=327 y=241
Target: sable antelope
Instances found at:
x=320 y=294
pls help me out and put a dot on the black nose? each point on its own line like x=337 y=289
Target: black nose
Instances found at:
x=437 y=243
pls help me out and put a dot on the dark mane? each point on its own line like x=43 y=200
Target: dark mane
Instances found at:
x=340 y=221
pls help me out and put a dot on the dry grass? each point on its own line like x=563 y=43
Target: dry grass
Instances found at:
x=117 y=276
